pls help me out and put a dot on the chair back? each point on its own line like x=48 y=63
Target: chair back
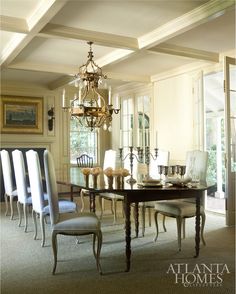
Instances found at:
x=109 y=159
x=51 y=187
x=196 y=165
x=7 y=172
x=84 y=160
x=35 y=179
x=20 y=175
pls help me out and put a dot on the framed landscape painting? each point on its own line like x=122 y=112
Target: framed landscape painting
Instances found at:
x=21 y=115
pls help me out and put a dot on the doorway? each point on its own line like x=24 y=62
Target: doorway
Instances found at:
x=215 y=139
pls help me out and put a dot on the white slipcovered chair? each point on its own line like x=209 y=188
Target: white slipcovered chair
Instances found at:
x=162 y=159
x=69 y=224
x=24 y=196
x=110 y=161
x=196 y=168
x=10 y=190
x=38 y=196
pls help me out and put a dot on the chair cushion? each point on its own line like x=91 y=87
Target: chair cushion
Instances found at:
x=65 y=206
x=112 y=196
x=177 y=208
x=81 y=223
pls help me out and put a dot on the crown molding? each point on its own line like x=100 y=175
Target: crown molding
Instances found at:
x=185 y=52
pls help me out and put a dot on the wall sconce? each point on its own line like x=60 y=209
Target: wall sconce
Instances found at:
x=51 y=118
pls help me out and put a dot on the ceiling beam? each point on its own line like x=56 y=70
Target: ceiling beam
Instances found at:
x=187 y=21
x=14 y=24
x=46 y=11
x=103 y=39
x=185 y=52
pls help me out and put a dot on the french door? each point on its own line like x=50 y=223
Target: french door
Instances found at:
x=230 y=132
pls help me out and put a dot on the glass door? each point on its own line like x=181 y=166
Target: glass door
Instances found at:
x=230 y=142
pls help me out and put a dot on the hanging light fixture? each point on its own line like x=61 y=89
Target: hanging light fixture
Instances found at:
x=90 y=107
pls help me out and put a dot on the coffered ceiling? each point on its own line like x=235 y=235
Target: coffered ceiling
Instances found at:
x=43 y=42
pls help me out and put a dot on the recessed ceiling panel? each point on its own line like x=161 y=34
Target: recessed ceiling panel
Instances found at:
x=128 y=18
x=19 y=8
x=60 y=51
x=40 y=78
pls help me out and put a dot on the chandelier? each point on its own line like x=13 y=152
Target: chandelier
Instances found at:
x=89 y=106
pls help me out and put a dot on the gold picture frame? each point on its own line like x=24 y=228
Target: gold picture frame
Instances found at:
x=21 y=115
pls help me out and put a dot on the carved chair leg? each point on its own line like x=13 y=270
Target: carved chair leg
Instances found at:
x=19 y=213
x=6 y=203
x=35 y=224
x=11 y=208
x=42 y=229
x=54 y=248
x=25 y=216
x=156 y=224
x=163 y=222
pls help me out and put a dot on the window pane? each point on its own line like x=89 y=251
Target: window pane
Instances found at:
x=82 y=141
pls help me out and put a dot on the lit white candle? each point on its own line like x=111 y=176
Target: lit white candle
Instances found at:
x=138 y=139
x=130 y=138
x=109 y=96
x=156 y=139
x=63 y=98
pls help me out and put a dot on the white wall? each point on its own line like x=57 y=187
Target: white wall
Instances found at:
x=173 y=115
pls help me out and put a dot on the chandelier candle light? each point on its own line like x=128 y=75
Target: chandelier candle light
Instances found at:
x=90 y=107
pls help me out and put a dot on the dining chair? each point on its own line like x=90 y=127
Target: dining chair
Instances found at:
x=162 y=159
x=84 y=160
x=196 y=168
x=110 y=161
x=40 y=205
x=69 y=224
x=24 y=196
x=10 y=190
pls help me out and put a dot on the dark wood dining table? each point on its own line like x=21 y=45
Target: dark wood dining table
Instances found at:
x=133 y=194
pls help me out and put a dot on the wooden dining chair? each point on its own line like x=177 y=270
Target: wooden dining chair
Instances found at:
x=196 y=168
x=84 y=160
x=110 y=161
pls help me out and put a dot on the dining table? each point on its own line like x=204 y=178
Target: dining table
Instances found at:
x=133 y=194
